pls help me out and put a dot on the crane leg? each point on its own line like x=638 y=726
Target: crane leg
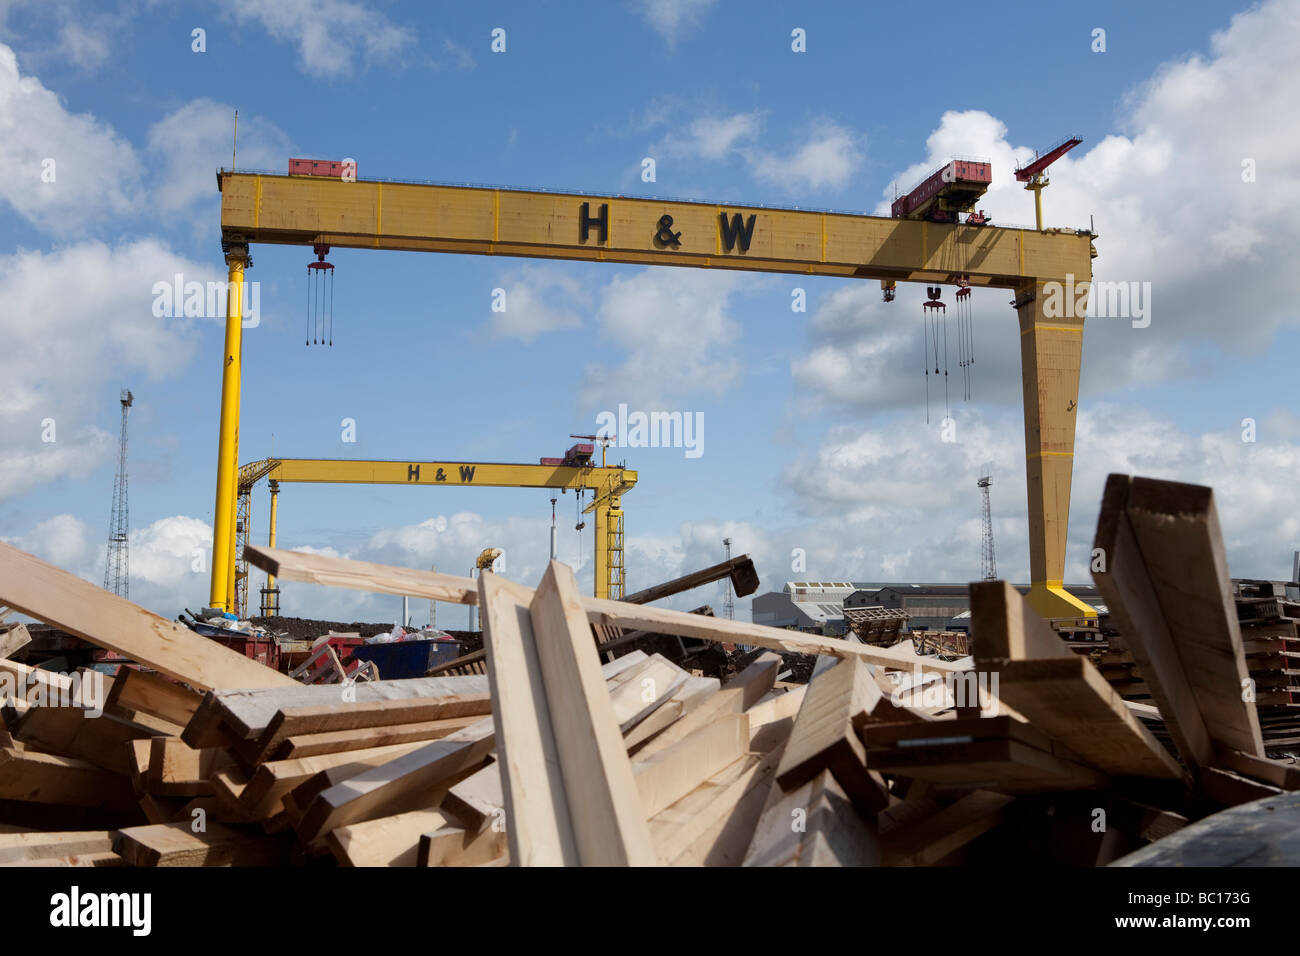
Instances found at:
x=1050 y=352
x=601 y=556
x=223 y=514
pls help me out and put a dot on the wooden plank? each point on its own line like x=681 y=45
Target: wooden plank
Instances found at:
x=611 y=828
x=178 y=770
x=19 y=847
x=1071 y=702
x=66 y=781
x=478 y=801
x=1007 y=766
x=928 y=841
x=373 y=792
x=667 y=775
x=339 y=572
x=362 y=575
x=310 y=745
x=454 y=846
x=693 y=693
x=14 y=640
x=137 y=690
x=713 y=824
x=248 y=713
x=823 y=735
x=267 y=785
x=814 y=825
x=540 y=831
x=176 y=844
x=106 y=858
x=646 y=688
x=72 y=732
x=356 y=715
x=387 y=841
x=1285 y=776
x=64 y=600
x=1167 y=586
x=1060 y=692
x=1230 y=789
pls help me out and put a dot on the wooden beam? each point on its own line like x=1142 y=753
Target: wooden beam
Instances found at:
x=23 y=847
x=427 y=584
x=137 y=690
x=666 y=776
x=267 y=785
x=64 y=600
x=1060 y=692
x=362 y=575
x=363 y=738
x=176 y=844
x=928 y=841
x=1071 y=702
x=65 y=781
x=454 y=846
x=540 y=829
x=823 y=736
x=610 y=829
x=387 y=841
x=1166 y=582
x=14 y=640
x=814 y=825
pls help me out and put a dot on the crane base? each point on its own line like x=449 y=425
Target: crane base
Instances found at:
x=1051 y=601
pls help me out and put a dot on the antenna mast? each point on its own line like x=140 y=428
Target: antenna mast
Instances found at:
x=118 y=566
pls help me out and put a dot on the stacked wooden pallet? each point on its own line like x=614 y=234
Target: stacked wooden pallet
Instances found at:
x=876 y=625
x=1268 y=629
x=556 y=757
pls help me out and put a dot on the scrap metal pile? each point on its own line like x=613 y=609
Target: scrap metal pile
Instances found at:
x=561 y=753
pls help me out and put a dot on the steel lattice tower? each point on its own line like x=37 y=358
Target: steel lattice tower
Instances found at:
x=988 y=563
x=118 y=566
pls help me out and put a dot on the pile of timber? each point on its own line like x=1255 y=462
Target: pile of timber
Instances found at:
x=1268 y=617
x=876 y=625
x=554 y=756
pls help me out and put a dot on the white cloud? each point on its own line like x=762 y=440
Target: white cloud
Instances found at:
x=330 y=34
x=895 y=502
x=673 y=325
x=669 y=17
x=190 y=143
x=61 y=540
x=536 y=301
x=1207 y=260
x=95 y=172
x=824 y=157
x=709 y=137
x=821 y=155
x=79 y=322
x=69 y=32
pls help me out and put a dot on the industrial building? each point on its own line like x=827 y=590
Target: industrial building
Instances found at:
x=818 y=606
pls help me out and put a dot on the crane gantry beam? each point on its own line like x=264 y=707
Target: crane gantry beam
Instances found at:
x=607 y=485
x=311 y=210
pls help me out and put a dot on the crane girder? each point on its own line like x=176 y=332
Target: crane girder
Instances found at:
x=429 y=217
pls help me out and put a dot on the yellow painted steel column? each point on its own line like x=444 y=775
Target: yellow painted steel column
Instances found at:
x=270 y=543
x=1051 y=348
x=222 y=594
x=602 y=550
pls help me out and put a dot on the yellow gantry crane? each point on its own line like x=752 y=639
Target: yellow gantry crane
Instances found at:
x=607 y=485
x=318 y=211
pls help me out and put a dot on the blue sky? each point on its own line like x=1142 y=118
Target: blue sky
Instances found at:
x=815 y=423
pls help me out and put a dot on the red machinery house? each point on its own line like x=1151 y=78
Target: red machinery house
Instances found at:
x=318 y=167
x=953 y=187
